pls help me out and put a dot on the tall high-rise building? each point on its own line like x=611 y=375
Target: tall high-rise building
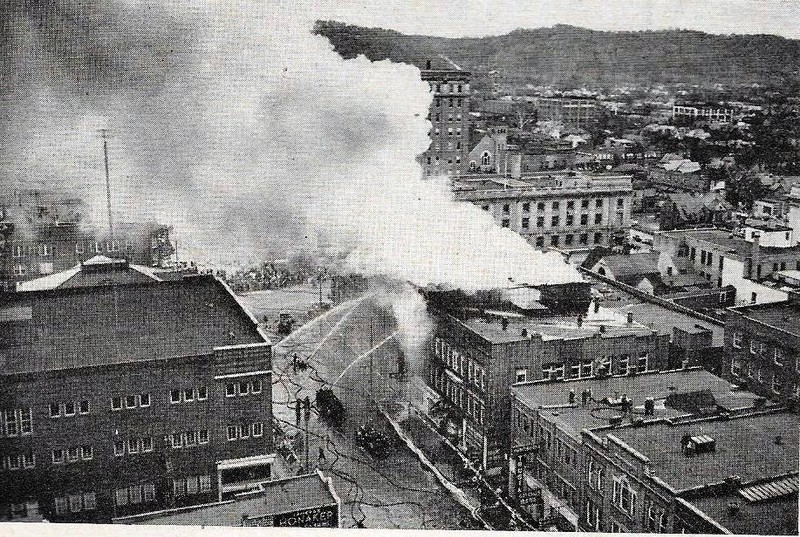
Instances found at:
x=449 y=114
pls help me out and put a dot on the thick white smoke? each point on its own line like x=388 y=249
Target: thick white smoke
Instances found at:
x=248 y=134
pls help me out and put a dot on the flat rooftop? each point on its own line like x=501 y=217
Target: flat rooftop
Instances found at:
x=637 y=388
x=552 y=327
x=662 y=320
x=730 y=243
x=113 y=324
x=283 y=496
x=782 y=315
x=745 y=447
x=774 y=517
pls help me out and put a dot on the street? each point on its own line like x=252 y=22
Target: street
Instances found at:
x=394 y=492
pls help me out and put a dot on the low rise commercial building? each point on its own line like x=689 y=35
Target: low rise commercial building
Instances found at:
x=120 y=397
x=478 y=352
x=555 y=210
x=762 y=349
x=306 y=501
x=659 y=452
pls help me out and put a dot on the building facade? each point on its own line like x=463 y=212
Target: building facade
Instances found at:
x=449 y=118
x=660 y=463
x=572 y=112
x=473 y=362
x=119 y=399
x=565 y=211
x=762 y=349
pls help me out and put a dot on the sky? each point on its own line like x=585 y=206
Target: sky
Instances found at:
x=494 y=17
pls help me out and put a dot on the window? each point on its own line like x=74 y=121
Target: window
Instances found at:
x=116 y=403
x=736 y=368
x=188 y=395
x=175 y=396
x=87 y=453
x=83 y=407
x=55 y=410
x=121 y=497
x=202 y=393
x=149 y=491
x=643 y=362
x=505 y=222
x=554 y=240
x=570 y=219
x=191 y=438
x=205 y=483
x=584 y=238
x=147 y=444
x=522 y=375
x=133 y=445
x=777 y=385
x=89 y=501
x=258 y=429
x=119 y=448
x=72 y=454
x=526 y=207
x=598 y=203
x=58 y=456
x=540 y=221
x=555 y=205
x=11 y=423
x=526 y=222
x=539 y=242
x=135 y=494
x=540 y=206
x=203 y=436
x=777 y=356
x=554 y=221
x=737 y=340
x=25 y=421
x=230 y=390
x=69 y=409
x=192 y=485
x=624 y=364
x=244 y=388
x=20 y=270
x=553 y=371
x=595 y=473
x=244 y=430
x=753 y=346
x=232 y=432
x=60 y=505
x=177 y=440
x=598 y=238
x=568 y=239
x=592 y=515
x=598 y=218
x=130 y=401
x=624 y=496
x=144 y=399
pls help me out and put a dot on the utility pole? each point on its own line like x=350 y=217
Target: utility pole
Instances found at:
x=371 y=344
x=108 y=185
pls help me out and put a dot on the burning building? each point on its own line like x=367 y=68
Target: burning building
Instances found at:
x=487 y=342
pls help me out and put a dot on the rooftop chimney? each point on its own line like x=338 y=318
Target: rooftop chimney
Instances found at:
x=580 y=320
x=504 y=323
x=630 y=317
x=602 y=329
x=524 y=332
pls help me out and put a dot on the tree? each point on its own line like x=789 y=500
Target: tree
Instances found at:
x=742 y=189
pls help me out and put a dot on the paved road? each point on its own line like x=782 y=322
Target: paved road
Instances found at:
x=395 y=492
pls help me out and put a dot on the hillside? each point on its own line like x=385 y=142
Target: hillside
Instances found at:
x=571 y=56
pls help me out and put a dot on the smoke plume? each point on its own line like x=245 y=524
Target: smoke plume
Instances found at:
x=244 y=131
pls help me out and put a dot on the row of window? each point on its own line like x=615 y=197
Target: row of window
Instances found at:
x=69 y=409
x=450 y=131
x=188 y=395
x=135 y=494
x=47 y=250
x=451 y=146
x=586 y=368
x=72 y=454
x=243 y=388
x=189 y=439
x=463 y=399
x=450 y=117
x=462 y=364
x=20 y=461
x=556 y=205
x=245 y=430
x=196 y=484
x=141 y=400
x=761 y=348
x=75 y=503
x=450 y=102
x=456 y=160
x=16 y=422
x=457 y=88
x=133 y=446
x=744 y=369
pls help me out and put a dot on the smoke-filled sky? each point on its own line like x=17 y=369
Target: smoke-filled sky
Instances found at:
x=494 y=17
x=235 y=124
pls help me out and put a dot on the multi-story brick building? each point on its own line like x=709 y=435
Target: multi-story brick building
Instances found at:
x=742 y=259
x=555 y=210
x=762 y=349
x=449 y=117
x=572 y=112
x=44 y=233
x=124 y=398
x=686 y=453
x=475 y=359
